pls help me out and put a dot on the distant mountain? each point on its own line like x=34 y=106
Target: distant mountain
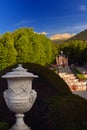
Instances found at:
x=61 y=36
x=80 y=36
x=57 y=41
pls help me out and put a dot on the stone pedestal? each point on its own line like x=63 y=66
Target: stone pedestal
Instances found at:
x=20 y=125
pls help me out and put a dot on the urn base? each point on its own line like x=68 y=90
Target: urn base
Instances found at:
x=20 y=128
x=20 y=125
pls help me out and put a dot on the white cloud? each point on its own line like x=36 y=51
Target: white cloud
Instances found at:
x=61 y=36
x=20 y=23
x=77 y=28
x=83 y=8
x=74 y=29
x=23 y=22
x=44 y=33
x=71 y=30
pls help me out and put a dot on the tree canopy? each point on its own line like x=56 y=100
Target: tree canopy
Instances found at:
x=76 y=50
x=24 y=45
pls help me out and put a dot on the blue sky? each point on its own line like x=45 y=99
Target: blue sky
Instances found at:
x=50 y=16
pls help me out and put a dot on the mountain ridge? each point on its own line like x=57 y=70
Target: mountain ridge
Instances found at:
x=80 y=36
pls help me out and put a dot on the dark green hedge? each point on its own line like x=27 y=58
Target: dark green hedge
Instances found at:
x=46 y=75
x=56 y=108
x=67 y=113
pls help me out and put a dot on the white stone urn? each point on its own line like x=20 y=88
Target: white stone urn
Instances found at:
x=20 y=96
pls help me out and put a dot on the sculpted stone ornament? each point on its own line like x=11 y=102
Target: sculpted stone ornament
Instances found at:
x=20 y=96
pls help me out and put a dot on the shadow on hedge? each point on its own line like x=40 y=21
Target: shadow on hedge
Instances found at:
x=56 y=108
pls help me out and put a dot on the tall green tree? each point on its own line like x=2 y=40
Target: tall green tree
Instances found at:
x=24 y=45
x=7 y=51
x=32 y=47
x=76 y=51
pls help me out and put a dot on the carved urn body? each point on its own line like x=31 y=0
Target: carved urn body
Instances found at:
x=20 y=96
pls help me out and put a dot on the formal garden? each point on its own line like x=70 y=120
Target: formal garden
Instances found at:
x=56 y=107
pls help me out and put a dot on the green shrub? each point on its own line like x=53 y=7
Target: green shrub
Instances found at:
x=3 y=126
x=84 y=125
x=56 y=108
x=47 y=75
x=78 y=74
x=66 y=113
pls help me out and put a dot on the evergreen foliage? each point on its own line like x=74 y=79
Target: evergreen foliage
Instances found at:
x=75 y=50
x=66 y=113
x=78 y=74
x=7 y=51
x=56 y=108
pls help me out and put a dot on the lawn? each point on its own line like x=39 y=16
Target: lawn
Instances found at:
x=78 y=74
